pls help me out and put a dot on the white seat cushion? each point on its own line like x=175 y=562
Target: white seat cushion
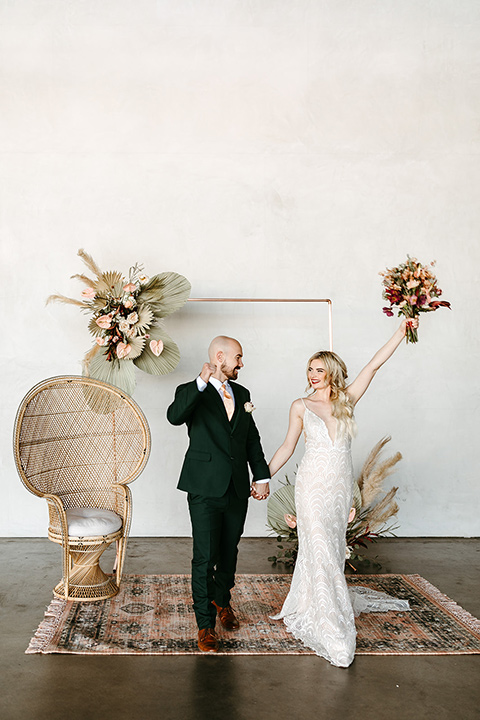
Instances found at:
x=89 y=522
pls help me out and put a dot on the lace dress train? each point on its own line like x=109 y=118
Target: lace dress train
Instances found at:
x=320 y=609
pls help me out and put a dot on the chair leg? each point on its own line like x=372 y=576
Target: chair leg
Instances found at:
x=115 y=563
x=119 y=560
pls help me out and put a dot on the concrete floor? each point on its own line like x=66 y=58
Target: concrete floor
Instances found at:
x=71 y=687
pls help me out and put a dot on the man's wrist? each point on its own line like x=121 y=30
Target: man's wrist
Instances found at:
x=201 y=384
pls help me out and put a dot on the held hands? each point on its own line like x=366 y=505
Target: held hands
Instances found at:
x=260 y=491
x=207 y=372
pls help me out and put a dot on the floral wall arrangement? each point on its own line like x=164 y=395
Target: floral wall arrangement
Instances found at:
x=125 y=321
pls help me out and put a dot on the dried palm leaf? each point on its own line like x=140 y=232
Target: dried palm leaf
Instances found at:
x=88 y=357
x=145 y=318
x=281 y=503
x=137 y=344
x=90 y=262
x=93 y=328
x=164 y=363
x=357 y=498
x=165 y=293
x=119 y=373
x=111 y=282
x=371 y=460
x=66 y=300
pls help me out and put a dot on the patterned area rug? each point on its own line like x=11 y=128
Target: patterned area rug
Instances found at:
x=153 y=615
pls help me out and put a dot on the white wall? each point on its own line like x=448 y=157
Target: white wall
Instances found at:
x=261 y=148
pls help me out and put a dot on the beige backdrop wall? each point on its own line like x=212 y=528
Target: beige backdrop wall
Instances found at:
x=270 y=148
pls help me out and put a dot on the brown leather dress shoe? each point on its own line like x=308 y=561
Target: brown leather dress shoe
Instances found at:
x=207 y=640
x=227 y=617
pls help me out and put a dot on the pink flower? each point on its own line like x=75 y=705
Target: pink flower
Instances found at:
x=352 y=514
x=123 y=350
x=100 y=341
x=412 y=300
x=132 y=318
x=412 y=284
x=131 y=287
x=156 y=346
x=291 y=521
x=89 y=293
x=104 y=321
x=127 y=303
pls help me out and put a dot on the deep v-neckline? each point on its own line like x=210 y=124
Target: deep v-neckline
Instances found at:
x=324 y=423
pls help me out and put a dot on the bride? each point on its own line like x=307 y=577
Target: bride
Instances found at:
x=319 y=608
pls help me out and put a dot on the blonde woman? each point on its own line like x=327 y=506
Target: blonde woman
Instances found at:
x=319 y=608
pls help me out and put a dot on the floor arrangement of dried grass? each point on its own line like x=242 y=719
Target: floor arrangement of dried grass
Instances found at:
x=153 y=615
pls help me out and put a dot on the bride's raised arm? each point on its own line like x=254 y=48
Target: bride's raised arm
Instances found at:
x=358 y=387
x=295 y=426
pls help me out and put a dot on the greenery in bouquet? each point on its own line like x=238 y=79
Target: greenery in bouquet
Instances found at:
x=372 y=513
x=125 y=321
x=411 y=288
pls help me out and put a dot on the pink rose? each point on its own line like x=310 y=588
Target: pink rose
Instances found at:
x=131 y=287
x=127 y=303
x=156 y=346
x=89 y=293
x=100 y=341
x=123 y=350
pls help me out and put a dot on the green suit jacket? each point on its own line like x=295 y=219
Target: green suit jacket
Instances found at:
x=220 y=450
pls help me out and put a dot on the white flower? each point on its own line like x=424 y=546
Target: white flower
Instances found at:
x=249 y=407
x=132 y=318
x=348 y=552
x=123 y=326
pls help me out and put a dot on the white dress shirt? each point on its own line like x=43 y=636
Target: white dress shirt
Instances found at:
x=201 y=384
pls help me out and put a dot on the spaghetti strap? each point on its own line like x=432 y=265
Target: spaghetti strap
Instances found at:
x=304 y=403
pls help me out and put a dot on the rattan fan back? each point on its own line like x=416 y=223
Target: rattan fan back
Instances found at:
x=76 y=436
x=78 y=442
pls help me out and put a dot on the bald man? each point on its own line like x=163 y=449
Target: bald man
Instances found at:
x=224 y=441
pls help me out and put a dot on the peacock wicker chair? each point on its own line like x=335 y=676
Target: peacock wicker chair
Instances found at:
x=78 y=442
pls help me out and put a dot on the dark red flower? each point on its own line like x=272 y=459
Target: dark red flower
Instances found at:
x=388 y=311
x=439 y=303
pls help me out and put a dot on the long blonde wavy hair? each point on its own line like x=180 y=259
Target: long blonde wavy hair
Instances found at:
x=336 y=376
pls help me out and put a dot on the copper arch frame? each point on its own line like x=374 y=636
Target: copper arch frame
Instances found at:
x=278 y=300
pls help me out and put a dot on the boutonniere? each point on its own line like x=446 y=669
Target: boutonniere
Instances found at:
x=249 y=407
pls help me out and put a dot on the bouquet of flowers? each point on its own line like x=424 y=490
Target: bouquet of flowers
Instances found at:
x=125 y=315
x=412 y=288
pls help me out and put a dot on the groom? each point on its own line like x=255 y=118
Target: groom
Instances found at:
x=223 y=440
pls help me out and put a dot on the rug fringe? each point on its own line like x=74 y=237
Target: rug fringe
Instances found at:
x=462 y=615
x=47 y=628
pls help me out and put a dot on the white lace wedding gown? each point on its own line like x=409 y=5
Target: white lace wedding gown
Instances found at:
x=319 y=609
